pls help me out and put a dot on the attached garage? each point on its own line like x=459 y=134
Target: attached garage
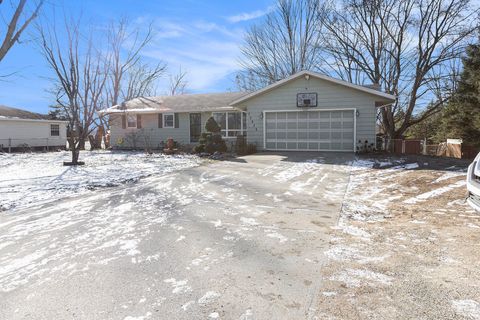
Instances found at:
x=325 y=130
x=309 y=111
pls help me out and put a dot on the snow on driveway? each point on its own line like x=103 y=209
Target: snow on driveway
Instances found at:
x=183 y=245
x=29 y=179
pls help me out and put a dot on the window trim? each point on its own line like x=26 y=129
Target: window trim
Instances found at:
x=173 y=120
x=58 y=126
x=133 y=116
x=226 y=130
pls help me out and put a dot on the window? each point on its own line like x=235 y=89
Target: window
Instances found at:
x=132 y=120
x=232 y=123
x=55 y=130
x=168 y=120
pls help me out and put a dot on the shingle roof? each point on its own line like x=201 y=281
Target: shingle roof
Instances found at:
x=8 y=112
x=181 y=103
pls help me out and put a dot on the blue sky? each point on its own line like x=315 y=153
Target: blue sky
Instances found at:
x=201 y=37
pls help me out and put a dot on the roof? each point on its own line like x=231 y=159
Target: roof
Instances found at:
x=181 y=103
x=14 y=113
x=385 y=97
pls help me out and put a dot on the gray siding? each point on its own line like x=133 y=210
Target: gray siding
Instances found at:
x=150 y=134
x=330 y=96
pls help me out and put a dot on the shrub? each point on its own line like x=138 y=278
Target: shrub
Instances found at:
x=251 y=149
x=211 y=141
x=212 y=126
x=199 y=148
x=242 y=148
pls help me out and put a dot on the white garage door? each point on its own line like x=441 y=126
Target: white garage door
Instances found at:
x=310 y=130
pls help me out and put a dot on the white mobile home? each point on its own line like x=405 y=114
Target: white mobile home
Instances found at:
x=20 y=129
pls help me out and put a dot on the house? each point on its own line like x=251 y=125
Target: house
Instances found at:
x=20 y=129
x=306 y=111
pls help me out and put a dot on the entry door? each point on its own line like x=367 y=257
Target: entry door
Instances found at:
x=310 y=130
x=195 y=126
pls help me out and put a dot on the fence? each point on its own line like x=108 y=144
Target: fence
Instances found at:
x=10 y=144
x=452 y=148
x=402 y=146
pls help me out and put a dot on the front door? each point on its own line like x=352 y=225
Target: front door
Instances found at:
x=195 y=126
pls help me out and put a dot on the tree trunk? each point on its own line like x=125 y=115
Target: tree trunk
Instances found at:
x=75 y=155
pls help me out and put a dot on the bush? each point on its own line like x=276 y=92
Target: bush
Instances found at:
x=251 y=149
x=212 y=126
x=242 y=148
x=211 y=141
x=199 y=148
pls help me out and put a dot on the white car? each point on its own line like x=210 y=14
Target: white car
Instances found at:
x=473 y=183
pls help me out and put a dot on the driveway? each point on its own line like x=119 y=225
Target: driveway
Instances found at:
x=240 y=239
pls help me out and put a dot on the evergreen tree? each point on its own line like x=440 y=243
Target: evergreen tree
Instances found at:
x=461 y=117
x=211 y=140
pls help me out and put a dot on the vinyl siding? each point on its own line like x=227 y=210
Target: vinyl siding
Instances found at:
x=329 y=96
x=32 y=133
x=151 y=135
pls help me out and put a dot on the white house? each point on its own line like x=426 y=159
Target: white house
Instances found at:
x=20 y=129
x=307 y=111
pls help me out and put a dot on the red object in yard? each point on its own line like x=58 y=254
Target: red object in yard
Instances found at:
x=170 y=143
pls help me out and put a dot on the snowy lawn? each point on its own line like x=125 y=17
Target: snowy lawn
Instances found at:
x=36 y=178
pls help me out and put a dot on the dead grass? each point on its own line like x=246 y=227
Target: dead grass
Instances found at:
x=428 y=248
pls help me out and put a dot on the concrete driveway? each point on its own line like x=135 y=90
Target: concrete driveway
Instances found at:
x=240 y=239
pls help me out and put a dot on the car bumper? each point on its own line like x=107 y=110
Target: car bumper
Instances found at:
x=473 y=186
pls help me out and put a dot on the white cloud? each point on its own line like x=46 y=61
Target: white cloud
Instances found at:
x=249 y=15
x=207 y=51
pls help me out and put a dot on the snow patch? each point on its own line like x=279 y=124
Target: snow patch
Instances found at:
x=353 y=278
x=209 y=297
x=467 y=308
x=435 y=193
x=179 y=286
x=32 y=179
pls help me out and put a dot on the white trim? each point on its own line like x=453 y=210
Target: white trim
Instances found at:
x=32 y=120
x=113 y=111
x=264 y=115
x=55 y=124
x=355 y=130
x=319 y=76
x=242 y=130
x=163 y=120
x=136 y=122
x=311 y=150
x=313 y=110
x=354 y=110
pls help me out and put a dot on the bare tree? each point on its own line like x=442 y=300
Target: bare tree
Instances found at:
x=287 y=41
x=128 y=75
x=15 y=26
x=141 y=81
x=80 y=78
x=178 y=83
x=406 y=46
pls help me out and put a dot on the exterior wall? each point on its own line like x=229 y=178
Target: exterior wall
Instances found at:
x=150 y=135
x=329 y=96
x=34 y=133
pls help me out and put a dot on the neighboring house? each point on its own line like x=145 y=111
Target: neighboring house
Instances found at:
x=20 y=129
x=306 y=111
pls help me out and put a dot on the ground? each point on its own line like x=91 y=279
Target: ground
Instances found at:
x=267 y=236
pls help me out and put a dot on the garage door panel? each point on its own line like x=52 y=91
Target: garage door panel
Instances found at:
x=292 y=135
x=313 y=125
x=310 y=130
x=324 y=125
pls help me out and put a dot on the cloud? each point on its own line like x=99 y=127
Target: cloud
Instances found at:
x=207 y=51
x=249 y=15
